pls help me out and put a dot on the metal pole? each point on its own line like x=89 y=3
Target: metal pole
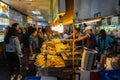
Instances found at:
x=73 y=57
x=73 y=47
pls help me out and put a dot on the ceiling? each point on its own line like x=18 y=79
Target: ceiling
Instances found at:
x=27 y=6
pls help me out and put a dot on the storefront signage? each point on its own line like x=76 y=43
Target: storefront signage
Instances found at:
x=115 y=20
x=15 y=16
x=104 y=21
x=44 y=23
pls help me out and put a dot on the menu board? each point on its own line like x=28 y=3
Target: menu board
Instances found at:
x=15 y=15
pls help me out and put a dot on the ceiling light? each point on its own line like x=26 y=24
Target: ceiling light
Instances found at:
x=40 y=17
x=36 y=12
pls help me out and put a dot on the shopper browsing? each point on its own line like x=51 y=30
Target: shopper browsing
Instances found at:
x=13 y=52
x=33 y=43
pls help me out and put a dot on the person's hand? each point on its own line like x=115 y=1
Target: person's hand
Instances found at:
x=62 y=39
x=75 y=40
x=31 y=54
x=106 y=53
x=20 y=55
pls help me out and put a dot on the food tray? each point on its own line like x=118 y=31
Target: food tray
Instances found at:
x=68 y=60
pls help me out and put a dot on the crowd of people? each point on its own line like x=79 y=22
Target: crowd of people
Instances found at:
x=28 y=41
x=19 y=42
x=103 y=42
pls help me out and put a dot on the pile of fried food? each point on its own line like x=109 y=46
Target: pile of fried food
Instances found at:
x=49 y=54
x=49 y=61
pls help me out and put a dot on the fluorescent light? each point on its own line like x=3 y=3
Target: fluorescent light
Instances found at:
x=36 y=12
x=40 y=17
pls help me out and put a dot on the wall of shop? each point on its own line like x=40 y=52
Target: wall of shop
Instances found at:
x=104 y=7
x=108 y=7
x=95 y=8
x=82 y=8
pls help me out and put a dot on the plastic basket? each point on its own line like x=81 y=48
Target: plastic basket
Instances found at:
x=32 y=78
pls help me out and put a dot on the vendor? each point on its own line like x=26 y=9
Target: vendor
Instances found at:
x=89 y=37
x=77 y=33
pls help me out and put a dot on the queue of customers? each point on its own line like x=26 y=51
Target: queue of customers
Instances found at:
x=18 y=43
